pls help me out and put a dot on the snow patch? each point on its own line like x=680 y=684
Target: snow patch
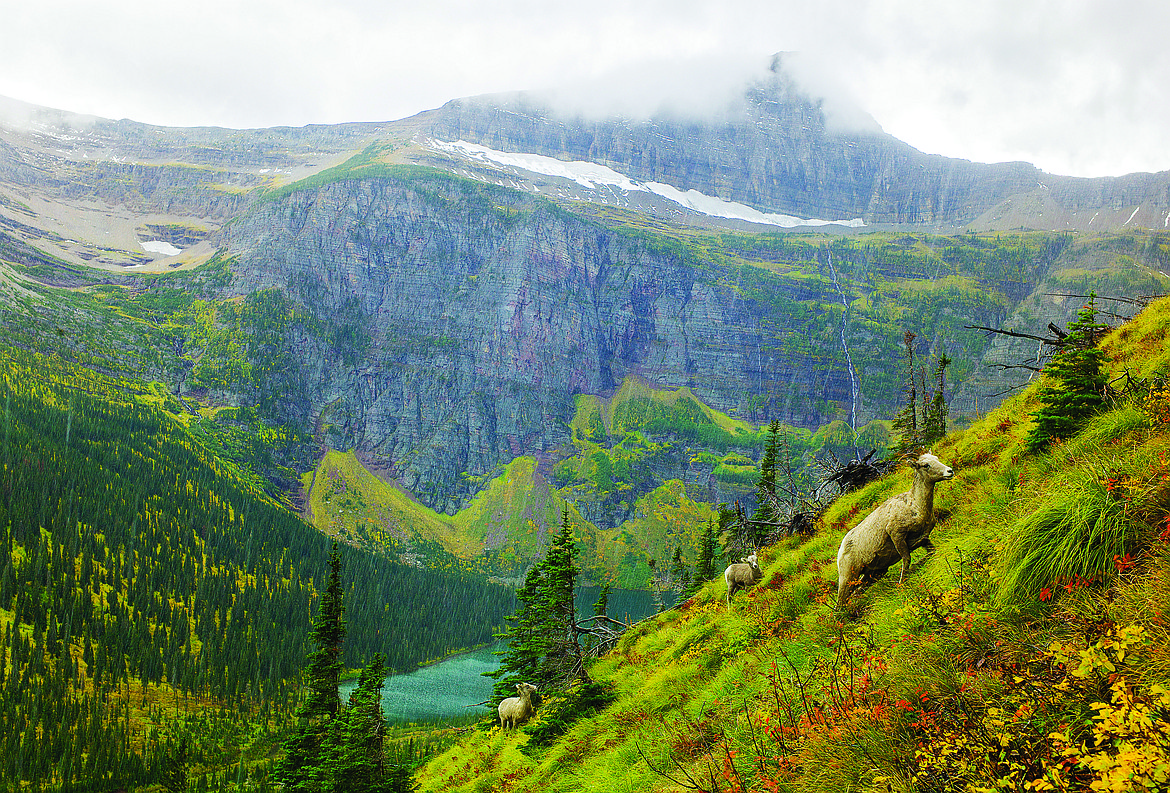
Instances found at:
x=159 y=246
x=593 y=176
x=1135 y=211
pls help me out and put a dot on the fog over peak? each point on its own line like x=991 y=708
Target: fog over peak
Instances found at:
x=22 y=115
x=708 y=89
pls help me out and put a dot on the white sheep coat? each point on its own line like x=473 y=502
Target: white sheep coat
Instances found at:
x=898 y=525
x=517 y=710
x=741 y=576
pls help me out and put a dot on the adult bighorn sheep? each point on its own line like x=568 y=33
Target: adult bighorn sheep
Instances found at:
x=742 y=575
x=889 y=533
x=517 y=710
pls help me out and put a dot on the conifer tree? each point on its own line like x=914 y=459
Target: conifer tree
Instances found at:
x=525 y=637
x=680 y=572
x=766 y=512
x=542 y=635
x=175 y=768
x=1075 y=381
x=560 y=584
x=601 y=606
x=328 y=632
x=906 y=420
x=354 y=756
x=934 y=424
x=705 y=563
x=302 y=768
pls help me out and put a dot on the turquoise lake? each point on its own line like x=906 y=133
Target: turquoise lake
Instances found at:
x=451 y=687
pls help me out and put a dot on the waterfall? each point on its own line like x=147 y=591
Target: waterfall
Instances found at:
x=845 y=346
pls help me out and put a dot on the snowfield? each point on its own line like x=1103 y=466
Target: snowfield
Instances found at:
x=158 y=246
x=593 y=177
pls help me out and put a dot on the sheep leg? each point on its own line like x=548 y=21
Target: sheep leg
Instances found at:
x=903 y=551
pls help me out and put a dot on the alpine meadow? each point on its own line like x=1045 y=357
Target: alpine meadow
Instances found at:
x=295 y=418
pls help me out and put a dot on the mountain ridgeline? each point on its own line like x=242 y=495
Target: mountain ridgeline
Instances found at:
x=776 y=147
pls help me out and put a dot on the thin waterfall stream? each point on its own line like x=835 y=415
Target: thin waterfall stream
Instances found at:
x=845 y=346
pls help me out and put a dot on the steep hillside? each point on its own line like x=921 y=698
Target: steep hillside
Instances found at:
x=1029 y=652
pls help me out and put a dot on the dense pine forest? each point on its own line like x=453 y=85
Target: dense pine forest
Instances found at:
x=150 y=598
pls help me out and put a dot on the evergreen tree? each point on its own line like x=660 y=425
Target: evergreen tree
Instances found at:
x=934 y=424
x=1075 y=381
x=527 y=643
x=766 y=513
x=708 y=546
x=601 y=606
x=328 y=632
x=354 y=756
x=560 y=583
x=542 y=636
x=906 y=420
x=302 y=768
x=175 y=768
x=680 y=572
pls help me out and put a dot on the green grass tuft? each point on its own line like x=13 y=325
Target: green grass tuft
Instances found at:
x=1076 y=532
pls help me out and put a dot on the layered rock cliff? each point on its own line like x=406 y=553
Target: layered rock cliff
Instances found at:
x=487 y=311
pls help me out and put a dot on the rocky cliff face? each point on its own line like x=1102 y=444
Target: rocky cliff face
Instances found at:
x=777 y=151
x=487 y=311
x=466 y=318
x=461 y=319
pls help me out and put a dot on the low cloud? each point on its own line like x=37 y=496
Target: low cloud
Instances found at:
x=699 y=87
x=1074 y=86
x=708 y=88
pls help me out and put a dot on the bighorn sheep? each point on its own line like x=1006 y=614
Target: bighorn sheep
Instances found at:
x=898 y=526
x=741 y=576
x=514 y=711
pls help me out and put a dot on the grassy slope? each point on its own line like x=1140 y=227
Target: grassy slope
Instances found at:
x=986 y=667
x=634 y=387
x=346 y=500
x=510 y=516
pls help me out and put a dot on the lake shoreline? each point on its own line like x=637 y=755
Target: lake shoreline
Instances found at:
x=456 y=654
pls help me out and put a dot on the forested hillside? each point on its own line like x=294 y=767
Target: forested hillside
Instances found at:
x=147 y=593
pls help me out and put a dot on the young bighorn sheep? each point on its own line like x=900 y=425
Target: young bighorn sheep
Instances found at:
x=898 y=526
x=517 y=710
x=742 y=575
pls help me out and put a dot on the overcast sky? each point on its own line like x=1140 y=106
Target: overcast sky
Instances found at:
x=1076 y=87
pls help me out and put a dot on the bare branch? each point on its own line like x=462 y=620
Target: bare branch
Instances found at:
x=1140 y=300
x=1051 y=342
x=1029 y=367
x=1016 y=387
x=690 y=784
